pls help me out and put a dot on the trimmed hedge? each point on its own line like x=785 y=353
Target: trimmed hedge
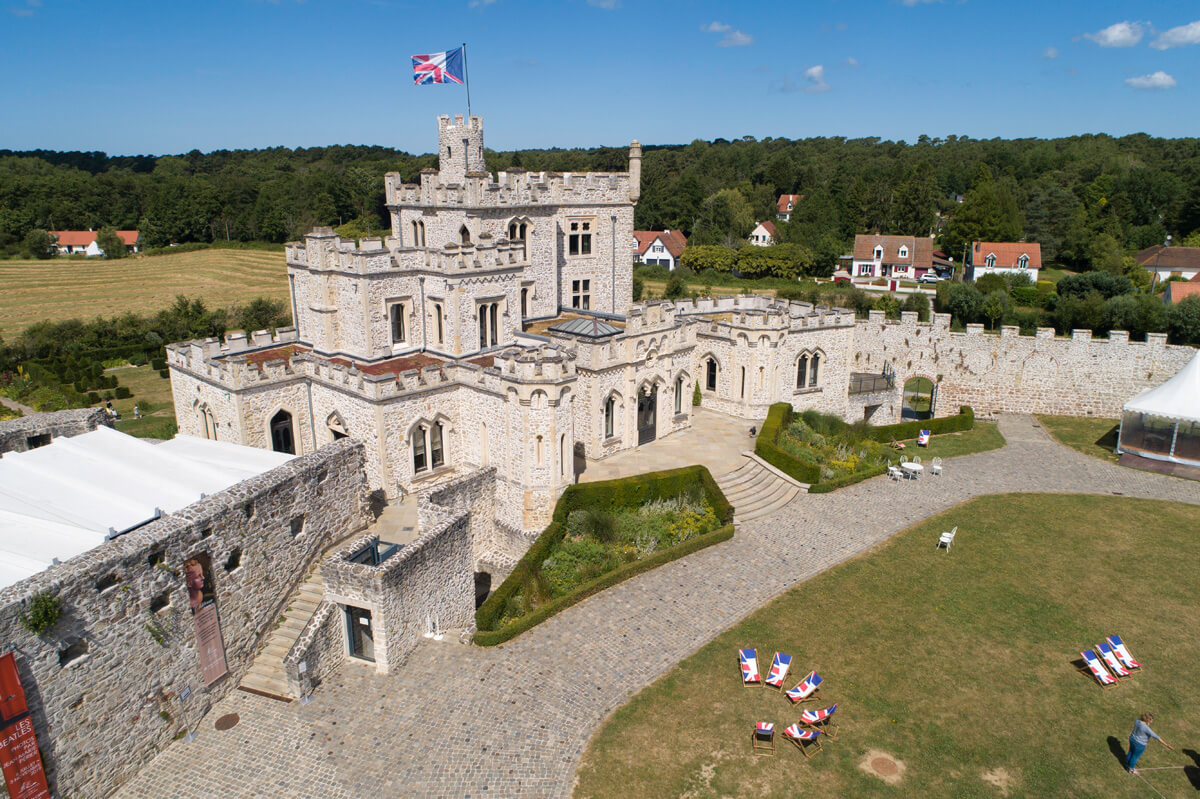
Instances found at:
x=842 y=482
x=625 y=492
x=947 y=424
x=778 y=417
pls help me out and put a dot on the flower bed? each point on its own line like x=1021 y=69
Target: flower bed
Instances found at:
x=603 y=533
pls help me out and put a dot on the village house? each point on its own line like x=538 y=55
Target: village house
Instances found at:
x=785 y=205
x=764 y=234
x=83 y=242
x=1178 y=291
x=659 y=247
x=898 y=257
x=1167 y=262
x=1004 y=258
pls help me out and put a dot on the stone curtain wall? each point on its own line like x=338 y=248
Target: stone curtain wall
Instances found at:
x=321 y=648
x=99 y=716
x=1077 y=376
x=15 y=434
x=474 y=493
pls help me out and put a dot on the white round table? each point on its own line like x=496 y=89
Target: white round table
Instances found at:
x=913 y=469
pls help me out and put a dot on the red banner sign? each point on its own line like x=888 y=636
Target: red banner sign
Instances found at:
x=210 y=644
x=19 y=757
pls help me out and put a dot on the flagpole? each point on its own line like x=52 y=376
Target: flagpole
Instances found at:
x=467 y=81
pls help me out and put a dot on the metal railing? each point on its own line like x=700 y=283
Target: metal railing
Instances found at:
x=869 y=383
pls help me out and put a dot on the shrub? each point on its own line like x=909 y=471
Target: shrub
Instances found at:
x=1108 y=284
x=123 y=392
x=991 y=282
x=164 y=373
x=638 y=287
x=1026 y=295
x=696 y=394
x=92 y=398
x=158 y=364
x=965 y=420
x=43 y=612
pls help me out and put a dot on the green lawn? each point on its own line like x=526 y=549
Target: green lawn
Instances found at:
x=153 y=393
x=959 y=665
x=1095 y=437
x=982 y=437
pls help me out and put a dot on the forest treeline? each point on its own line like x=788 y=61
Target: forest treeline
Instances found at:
x=1064 y=193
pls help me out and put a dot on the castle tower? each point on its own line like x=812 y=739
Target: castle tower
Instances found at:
x=635 y=171
x=460 y=148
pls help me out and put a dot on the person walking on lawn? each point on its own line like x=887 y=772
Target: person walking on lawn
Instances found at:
x=1138 y=739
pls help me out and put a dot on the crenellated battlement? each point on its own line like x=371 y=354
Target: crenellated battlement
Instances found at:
x=512 y=188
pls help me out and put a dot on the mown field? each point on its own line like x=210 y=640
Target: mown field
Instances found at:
x=957 y=666
x=62 y=288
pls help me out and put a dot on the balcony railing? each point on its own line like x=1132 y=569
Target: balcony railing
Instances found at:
x=861 y=383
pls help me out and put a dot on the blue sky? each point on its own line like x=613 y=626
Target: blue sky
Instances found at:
x=168 y=76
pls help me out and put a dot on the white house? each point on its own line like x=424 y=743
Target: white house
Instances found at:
x=783 y=210
x=900 y=257
x=660 y=247
x=764 y=234
x=83 y=242
x=1004 y=258
x=1168 y=262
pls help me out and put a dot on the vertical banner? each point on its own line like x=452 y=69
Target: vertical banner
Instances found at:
x=20 y=760
x=203 y=600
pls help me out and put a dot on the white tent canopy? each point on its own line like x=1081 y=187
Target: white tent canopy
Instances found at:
x=67 y=497
x=1178 y=398
x=1163 y=423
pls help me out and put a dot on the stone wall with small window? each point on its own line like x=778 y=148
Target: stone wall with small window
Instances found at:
x=105 y=683
x=39 y=429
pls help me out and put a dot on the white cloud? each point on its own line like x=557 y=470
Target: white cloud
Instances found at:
x=851 y=61
x=716 y=27
x=607 y=5
x=1120 y=34
x=480 y=3
x=1181 y=36
x=736 y=39
x=1155 y=80
x=816 y=79
x=1050 y=53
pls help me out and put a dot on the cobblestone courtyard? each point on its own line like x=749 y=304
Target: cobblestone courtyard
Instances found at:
x=462 y=721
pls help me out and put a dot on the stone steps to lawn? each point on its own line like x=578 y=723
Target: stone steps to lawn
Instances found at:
x=757 y=489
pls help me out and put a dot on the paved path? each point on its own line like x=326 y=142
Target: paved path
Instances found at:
x=12 y=404
x=514 y=720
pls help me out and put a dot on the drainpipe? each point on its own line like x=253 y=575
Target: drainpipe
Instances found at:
x=614 y=263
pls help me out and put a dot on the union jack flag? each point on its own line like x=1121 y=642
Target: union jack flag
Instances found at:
x=801 y=691
x=444 y=67
x=794 y=731
x=815 y=716
x=765 y=727
x=749 y=661
x=779 y=669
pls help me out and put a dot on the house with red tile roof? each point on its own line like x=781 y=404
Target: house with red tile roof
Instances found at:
x=1178 y=291
x=660 y=247
x=1004 y=258
x=901 y=257
x=764 y=234
x=83 y=242
x=783 y=209
x=1167 y=262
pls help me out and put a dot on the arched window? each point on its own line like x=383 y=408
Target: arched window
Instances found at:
x=436 y=456
x=418 y=233
x=282 y=439
x=802 y=372
x=743 y=395
x=336 y=425
x=814 y=375
x=609 y=414
x=493 y=327
x=489 y=327
x=711 y=374
x=437 y=314
x=524 y=303
x=464 y=236
x=679 y=394
x=420 y=463
x=562 y=455
x=1023 y=262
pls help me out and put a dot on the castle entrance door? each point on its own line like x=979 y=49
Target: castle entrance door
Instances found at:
x=647 y=417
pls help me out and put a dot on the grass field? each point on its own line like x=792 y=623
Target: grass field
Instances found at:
x=1095 y=437
x=959 y=665
x=980 y=438
x=154 y=395
x=60 y=289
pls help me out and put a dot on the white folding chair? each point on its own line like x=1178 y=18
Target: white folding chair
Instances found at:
x=946 y=539
x=895 y=472
x=936 y=467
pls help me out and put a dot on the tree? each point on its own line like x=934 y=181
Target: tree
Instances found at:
x=991 y=282
x=917 y=302
x=638 y=287
x=262 y=313
x=725 y=218
x=1105 y=254
x=780 y=260
x=1183 y=321
x=915 y=208
x=962 y=300
x=708 y=256
x=989 y=212
x=40 y=244
x=676 y=286
x=112 y=244
x=995 y=306
x=1106 y=283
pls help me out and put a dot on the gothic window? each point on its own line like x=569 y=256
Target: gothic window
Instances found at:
x=418 y=445
x=396 y=312
x=524 y=303
x=581 y=294
x=814 y=373
x=802 y=372
x=743 y=382
x=609 y=412
x=282 y=439
x=492 y=325
x=436 y=458
x=418 y=233
x=437 y=315
x=711 y=374
x=539 y=450
x=336 y=426
x=488 y=325
x=579 y=237
x=483 y=330
x=562 y=455
x=517 y=233
x=679 y=394
x=483 y=444
x=464 y=236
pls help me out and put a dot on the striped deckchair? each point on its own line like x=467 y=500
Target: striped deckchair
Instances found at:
x=820 y=719
x=1122 y=653
x=748 y=660
x=1113 y=663
x=805 y=690
x=779 y=669
x=764 y=738
x=803 y=739
x=1096 y=668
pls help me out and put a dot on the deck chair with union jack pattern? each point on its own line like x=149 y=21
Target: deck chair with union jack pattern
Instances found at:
x=820 y=720
x=748 y=661
x=805 y=690
x=803 y=739
x=779 y=669
x=1096 y=669
x=764 y=738
x=1122 y=653
x=1114 y=664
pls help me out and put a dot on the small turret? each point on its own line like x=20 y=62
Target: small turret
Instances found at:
x=460 y=148
x=635 y=171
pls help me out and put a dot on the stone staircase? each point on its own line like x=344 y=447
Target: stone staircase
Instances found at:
x=756 y=489
x=266 y=676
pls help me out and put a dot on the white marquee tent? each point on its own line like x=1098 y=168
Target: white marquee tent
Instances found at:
x=67 y=497
x=1163 y=423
